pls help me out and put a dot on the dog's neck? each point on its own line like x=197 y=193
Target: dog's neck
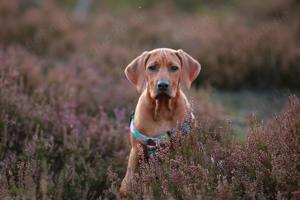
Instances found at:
x=163 y=108
x=153 y=117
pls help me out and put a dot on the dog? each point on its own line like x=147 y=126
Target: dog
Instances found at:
x=162 y=105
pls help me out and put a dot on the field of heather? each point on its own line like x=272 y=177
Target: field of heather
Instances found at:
x=65 y=101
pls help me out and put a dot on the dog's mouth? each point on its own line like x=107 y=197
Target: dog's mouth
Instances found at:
x=163 y=94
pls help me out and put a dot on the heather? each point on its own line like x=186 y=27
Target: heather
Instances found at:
x=65 y=102
x=52 y=147
x=56 y=141
x=210 y=165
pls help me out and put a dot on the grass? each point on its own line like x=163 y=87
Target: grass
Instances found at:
x=239 y=106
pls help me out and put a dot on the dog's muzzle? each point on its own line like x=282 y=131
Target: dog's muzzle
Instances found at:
x=163 y=88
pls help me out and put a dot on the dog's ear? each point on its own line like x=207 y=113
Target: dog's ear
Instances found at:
x=135 y=71
x=190 y=67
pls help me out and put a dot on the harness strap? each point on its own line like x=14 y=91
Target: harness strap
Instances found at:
x=151 y=143
x=145 y=139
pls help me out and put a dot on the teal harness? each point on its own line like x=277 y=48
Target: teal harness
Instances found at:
x=151 y=143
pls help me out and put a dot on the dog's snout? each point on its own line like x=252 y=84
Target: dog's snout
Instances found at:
x=163 y=84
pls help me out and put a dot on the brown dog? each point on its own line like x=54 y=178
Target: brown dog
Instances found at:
x=162 y=105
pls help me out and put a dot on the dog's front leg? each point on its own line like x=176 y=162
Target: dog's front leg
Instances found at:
x=131 y=168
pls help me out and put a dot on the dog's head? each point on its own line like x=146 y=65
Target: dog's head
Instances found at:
x=162 y=70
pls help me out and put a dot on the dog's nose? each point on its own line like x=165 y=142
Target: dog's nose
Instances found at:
x=163 y=84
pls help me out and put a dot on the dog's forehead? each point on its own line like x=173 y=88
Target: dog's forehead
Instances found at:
x=163 y=55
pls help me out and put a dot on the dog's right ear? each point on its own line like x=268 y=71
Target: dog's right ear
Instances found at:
x=135 y=71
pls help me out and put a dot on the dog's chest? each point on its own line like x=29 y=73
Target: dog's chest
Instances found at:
x=154 y=128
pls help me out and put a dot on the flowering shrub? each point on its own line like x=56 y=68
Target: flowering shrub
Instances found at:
x=56 y=144
x=62 y=137
x=42 y=28
x=51 y=147
x=268 y=164
x=209 y=164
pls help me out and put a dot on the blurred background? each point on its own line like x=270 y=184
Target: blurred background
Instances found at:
x=249 y=50
x=65 y=101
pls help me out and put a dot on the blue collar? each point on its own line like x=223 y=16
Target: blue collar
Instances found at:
x=151 y=143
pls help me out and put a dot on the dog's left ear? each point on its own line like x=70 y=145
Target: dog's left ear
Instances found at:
x=190 y=67
x=135 y=71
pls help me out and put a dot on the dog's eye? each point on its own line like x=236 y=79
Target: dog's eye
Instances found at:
x=152 y=68
x=174 y=68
